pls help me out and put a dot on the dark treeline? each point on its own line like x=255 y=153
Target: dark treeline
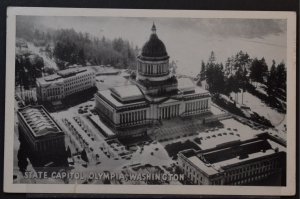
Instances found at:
x=69 y=47
x=28 y=68
x=242 y=73
x=79 y=48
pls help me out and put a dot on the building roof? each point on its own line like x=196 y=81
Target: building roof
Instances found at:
x=58 y=77
x=201 y=165
x=39 y=121
x=185 y=84
x=127 y=93
x=217 y=159
x=71 y=71
x=154 y=47
x=110 y=96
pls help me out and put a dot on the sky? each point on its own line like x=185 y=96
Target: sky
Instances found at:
x=188 y=40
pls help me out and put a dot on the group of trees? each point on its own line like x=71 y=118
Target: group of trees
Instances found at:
x=231 y=78
x=259 y=70
x=69 y=47
x=28 y=68
x=276 y=80
x=239 y=72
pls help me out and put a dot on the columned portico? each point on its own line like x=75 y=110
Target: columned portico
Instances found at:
x=168 y=112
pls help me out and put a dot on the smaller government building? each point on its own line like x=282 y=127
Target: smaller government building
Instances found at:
x=41 y=133
x=155 y=94
x=234 y=163
x=64 y=83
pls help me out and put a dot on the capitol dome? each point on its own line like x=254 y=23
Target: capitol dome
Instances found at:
x=153 y=62
x=154 y=47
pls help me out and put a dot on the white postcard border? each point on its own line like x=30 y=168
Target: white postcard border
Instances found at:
x=289 y=189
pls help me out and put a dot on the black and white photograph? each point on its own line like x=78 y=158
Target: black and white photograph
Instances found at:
x=190 y=100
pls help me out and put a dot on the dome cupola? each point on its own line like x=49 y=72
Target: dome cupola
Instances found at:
x=154 y=48
x=153 y=62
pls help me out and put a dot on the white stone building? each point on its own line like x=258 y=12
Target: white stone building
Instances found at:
x=41 y=133
x=64 y=83
x=155 y=95
x=234 y=163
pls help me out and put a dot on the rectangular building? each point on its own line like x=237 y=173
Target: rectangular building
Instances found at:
x=234 y=163
x=40 y=131
x=127 y=106
x=64 y=83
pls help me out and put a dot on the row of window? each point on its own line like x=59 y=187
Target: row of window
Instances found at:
x=257 y=165
x=248 y=174
x=78 y=81
x=234 y=175
x=252 y=179
x=71 y=79
x=152 y=68
x=76 y=86
x=53 y=91
x=190 y=172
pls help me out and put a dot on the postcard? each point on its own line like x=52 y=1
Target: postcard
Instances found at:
x=150 y=101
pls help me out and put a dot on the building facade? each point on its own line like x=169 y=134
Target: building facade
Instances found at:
x=64 y=83
x=41 y=133
x=236 y=163
x=156 y=94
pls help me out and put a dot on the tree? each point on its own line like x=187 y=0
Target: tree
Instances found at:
x=281 y=76
x=203 y=70
x=271 y=80
x=215 y=78
x=84 y=155
x=212 y=58
x=81 y=57
x=229 y=66
x=258 y=70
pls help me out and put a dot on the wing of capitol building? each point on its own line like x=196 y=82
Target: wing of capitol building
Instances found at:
x=156 y=94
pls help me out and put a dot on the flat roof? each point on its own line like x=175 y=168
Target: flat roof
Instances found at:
x=71 y=71
x=107 y=94
x=219 y=158
x=201 y=165
x=100 y=69
x=185 y=84
x=200 y=90
x=127 y=92
x=39 y=121
x=60 y=75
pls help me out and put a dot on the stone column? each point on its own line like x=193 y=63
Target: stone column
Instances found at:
x=130 y=117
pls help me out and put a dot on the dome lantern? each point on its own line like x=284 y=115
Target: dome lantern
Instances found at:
x=153 y=29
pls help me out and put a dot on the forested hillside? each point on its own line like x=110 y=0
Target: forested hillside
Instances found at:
x=68 y=47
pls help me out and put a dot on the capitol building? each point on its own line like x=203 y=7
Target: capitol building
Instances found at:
x=155 y=95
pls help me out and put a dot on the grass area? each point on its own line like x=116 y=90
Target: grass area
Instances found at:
x=232 y=108
x=271 y=101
